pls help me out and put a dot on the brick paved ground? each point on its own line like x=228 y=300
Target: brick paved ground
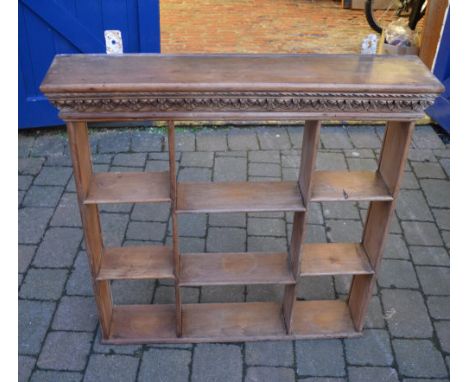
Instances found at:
x=261 y=26
x=407 y=333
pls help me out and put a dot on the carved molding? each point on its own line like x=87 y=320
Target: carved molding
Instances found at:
x=245 y=102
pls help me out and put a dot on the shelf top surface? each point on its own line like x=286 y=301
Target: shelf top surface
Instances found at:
x=100 y=73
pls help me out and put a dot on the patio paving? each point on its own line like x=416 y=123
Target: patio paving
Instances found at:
x=406 y=337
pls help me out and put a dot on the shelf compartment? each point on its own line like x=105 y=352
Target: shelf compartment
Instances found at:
x=129 y=187
x=320 y=259
x=136 y=262
x=349 y=185
x=322 y=319
x=142 y=324
x=235 y=269
x=239 y=197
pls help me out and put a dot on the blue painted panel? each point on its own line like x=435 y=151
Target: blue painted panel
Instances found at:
x=50 y=27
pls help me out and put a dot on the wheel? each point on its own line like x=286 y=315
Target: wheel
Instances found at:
x=417 y=12
x=391 y=11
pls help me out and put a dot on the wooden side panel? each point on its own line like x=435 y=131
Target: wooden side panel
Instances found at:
x=82 y=168
x=391 y=167
x=175 y=227
x=310 y=142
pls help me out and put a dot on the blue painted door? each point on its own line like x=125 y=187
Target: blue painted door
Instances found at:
x=440 y=111
x=50 y=27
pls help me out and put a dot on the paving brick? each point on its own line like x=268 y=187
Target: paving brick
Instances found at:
x=269 y=353
x=266 y=227
x=53 y=176
x=146 y=231
x=342 y=284
x=409 y=181
x=131 y=160
x=411 y=205
x=437 y=192
x=197 y=159
x=267 y=293
x=25 y=142
x=324 y=379
x=104 y=368
x=211 y=140
x=362 y=164
x=340 y=210
x=242 y=139
x=439 y=307
x=225 y=293
x=335 y=137
x=228 y=220
x=25 y=255
x=189 y=244
x=442 y=329
x=217 y=362
x=40 y=196
x=373 y=348
x=266 y=244
x=79 y=282
x=67 y=212
x=33 y=321
x=397 y=274
x=419 y=358
x=445 y=163
x=446 y=238
x=272 y=138
x=151 y=212
x=269 y=156
x=421 y=155
x=396 y=248
x=271 y=374
x=341 y=231
x=316 y=288
x=194 y=174
x=406 y=313
x=424 y=137
x=58 y=248
x=320 y=358
x=165 y=365
x=102 y=158
x=434 y=280
x=113 y=142
x=364 y=137
x=125 y=169
x=157 y=165
x=65 y=351
x=98 y=347
x=192 y=225
x=48 y=145
x=132 y=291
x=24 y=181
x=232 y=154
x=185 y=141
x=30 y=166
x=424 y=380
x=314 y=233
x=288 y=159
x=146 y=141
x=264 y=169
x=374 y=317
x=430 y=255
x=113 y=228
x=226 y=240
x=330 y=161
x=372 y=374
x=45 y=284
x=428 y=170
x=230 y=169
x=295 y=135
x=76 y=313
x=166 y=295
x=25 y=367
x=442 y=217
x=21 y=195
x=419 y=233
x=53 y=376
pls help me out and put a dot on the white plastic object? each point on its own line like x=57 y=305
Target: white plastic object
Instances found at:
x=114 y=43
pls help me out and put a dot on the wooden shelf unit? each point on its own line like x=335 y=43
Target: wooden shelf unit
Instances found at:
x=235 y=87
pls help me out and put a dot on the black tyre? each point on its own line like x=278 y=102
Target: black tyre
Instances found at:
x=369 y=10
x=416 y=13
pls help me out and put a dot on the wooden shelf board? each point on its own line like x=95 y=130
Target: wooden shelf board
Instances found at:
x=322 y=319
x=136 y=262
x=129 y=187
x=229 y=322
x=348 y=185
x=320 y=259
x=235 y=269
x=239 y=197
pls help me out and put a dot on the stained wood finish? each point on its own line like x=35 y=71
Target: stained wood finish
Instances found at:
x=136 y=262
x=348 y=186
x=321 y=259
x=239 y=197
x=235 y=269
x=391 y=167
x=83 y=169
x=129 y=187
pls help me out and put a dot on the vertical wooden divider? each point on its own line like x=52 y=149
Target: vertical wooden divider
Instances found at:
x=391 y=167
x=83 y=171
x=175 y=228
x=310 y=143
